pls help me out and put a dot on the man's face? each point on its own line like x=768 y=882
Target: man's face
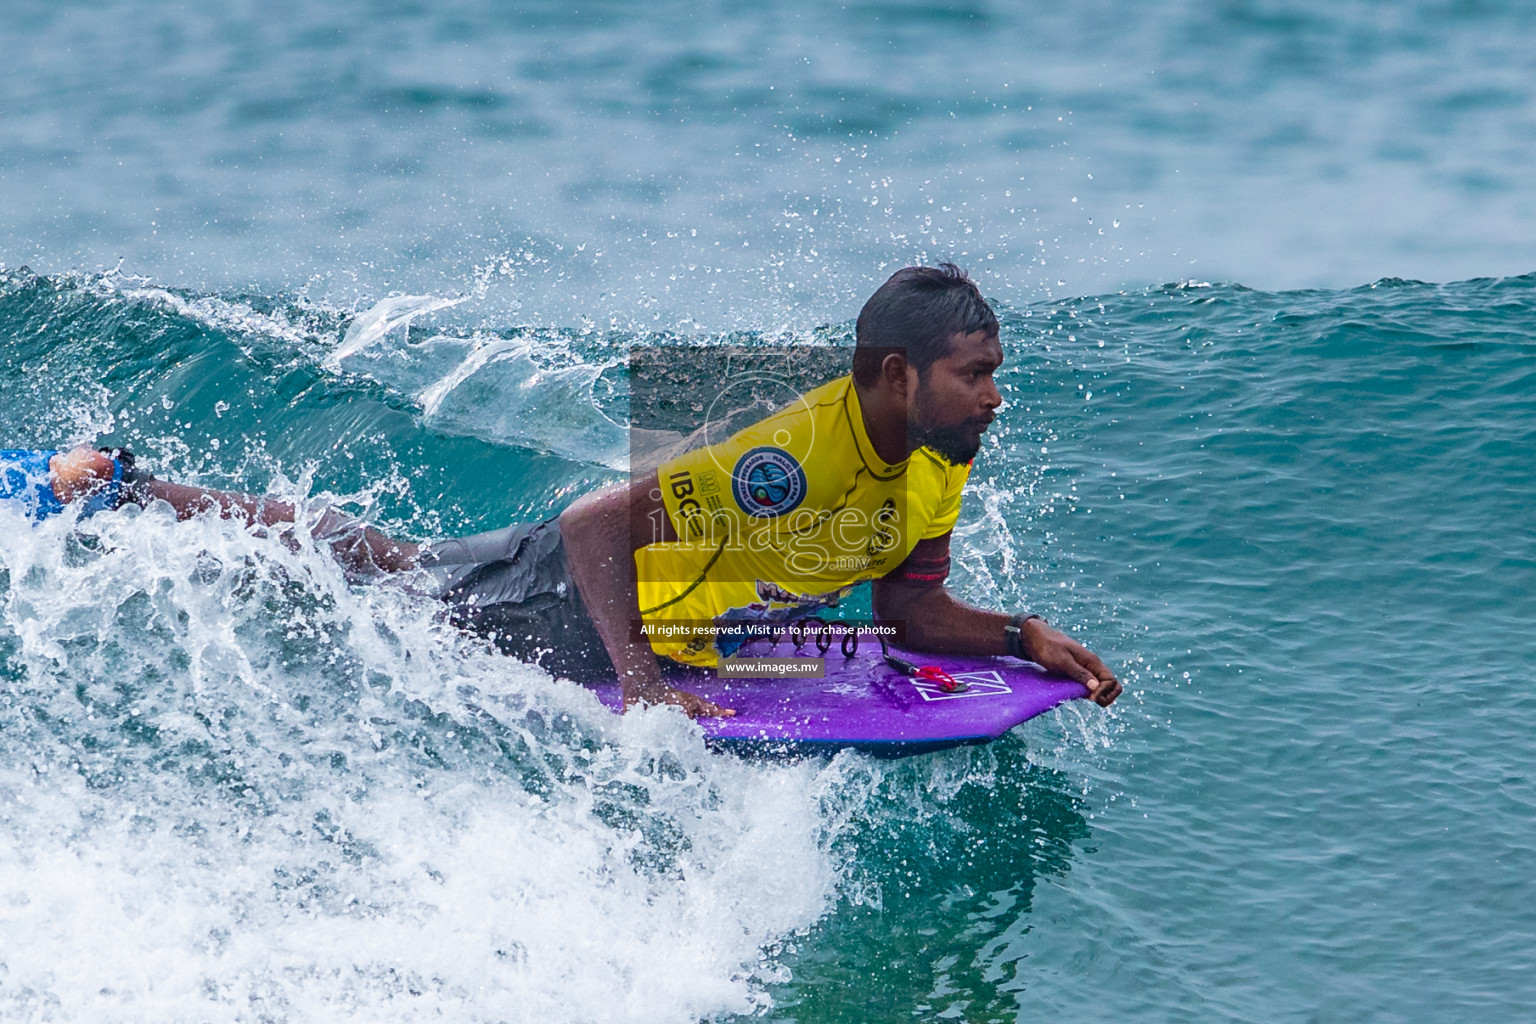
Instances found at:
x=956 y=397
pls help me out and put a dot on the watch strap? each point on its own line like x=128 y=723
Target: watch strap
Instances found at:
x=1013 y=633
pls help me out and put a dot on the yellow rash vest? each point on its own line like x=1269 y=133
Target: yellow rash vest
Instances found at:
x=784 y=518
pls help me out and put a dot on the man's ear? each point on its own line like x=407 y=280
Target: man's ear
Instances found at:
x=897 y=372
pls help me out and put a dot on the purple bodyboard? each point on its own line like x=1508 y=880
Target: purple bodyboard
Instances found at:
x=864 y=703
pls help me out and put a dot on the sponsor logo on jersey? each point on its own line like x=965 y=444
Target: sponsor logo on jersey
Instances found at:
x=768 y=482
x=688 y=510
x=883 y=537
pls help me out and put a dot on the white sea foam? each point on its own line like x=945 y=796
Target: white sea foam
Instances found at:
x=237 y=788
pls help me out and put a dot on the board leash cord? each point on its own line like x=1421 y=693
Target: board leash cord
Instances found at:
x=820 y=632
x=922 y=673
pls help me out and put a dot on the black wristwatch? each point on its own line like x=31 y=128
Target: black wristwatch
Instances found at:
x=1013 y=634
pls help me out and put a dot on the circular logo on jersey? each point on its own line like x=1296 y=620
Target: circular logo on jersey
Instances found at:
x=768 y=482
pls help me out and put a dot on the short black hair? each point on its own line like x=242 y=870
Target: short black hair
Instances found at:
x=916 y=313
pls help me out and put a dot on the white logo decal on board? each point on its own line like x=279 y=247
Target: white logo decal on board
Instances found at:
x=977 y=684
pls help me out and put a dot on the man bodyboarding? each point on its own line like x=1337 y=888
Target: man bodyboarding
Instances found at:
x=859 y=481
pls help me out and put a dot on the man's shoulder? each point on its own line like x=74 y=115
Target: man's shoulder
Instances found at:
x=824 y=406
x=808 y=429
x=769 y=467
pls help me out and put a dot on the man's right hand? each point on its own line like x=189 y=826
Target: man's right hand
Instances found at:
x=692 y=704
x=1058 y=652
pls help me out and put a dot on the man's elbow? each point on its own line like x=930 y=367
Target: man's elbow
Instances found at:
x=595 y=512
x=579 y=515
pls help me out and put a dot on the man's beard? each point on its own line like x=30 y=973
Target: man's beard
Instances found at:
x=956 y=443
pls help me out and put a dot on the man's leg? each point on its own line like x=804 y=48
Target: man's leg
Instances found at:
x=360 y=549
x=513 y=587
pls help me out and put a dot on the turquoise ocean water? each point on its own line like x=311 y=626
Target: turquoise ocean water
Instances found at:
x=393 y=255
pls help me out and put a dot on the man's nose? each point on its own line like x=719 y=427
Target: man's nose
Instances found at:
x=991 y=398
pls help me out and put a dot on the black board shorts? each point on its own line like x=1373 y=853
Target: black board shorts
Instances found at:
x=513 y=587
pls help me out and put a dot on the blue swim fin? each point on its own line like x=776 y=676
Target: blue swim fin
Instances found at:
x=25 y=481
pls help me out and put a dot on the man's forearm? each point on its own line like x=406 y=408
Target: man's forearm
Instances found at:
x=600 y=532
x=81 y=472
x=600 y=554
x=936 y=621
